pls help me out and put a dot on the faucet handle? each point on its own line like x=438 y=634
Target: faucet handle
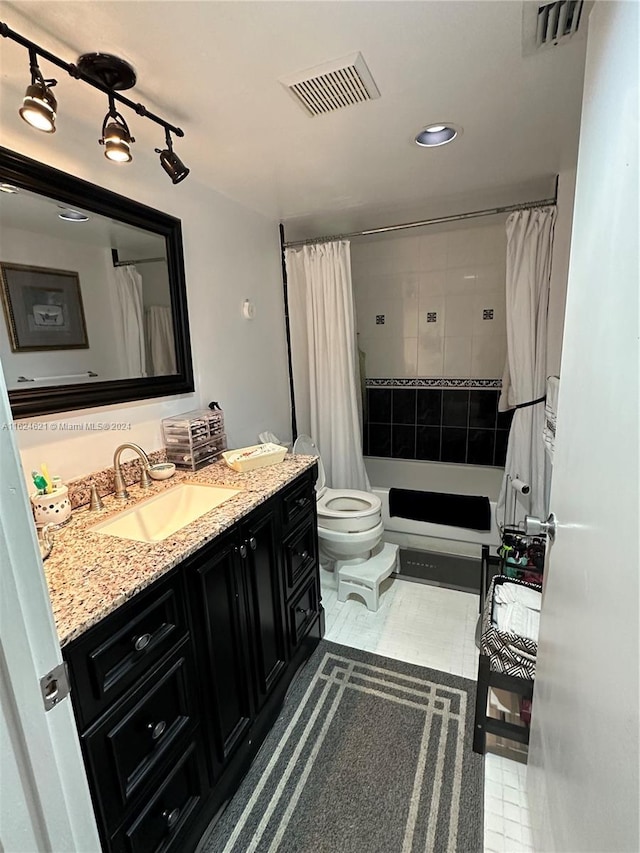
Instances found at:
x=145 y=482
x=95 y=500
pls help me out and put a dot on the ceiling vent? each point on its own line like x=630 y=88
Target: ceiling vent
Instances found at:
x=333 y=85
x=551 y=24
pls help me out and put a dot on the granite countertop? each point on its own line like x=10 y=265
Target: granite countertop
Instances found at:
x=91 y=574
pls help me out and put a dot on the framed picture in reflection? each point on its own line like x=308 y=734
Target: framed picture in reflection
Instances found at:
x=43 y=308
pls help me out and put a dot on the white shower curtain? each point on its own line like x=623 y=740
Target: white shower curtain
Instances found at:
x=529 y=246
x=129 y=313
x=325 y=358
x=161 y=354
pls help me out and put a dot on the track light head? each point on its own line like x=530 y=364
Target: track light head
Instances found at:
x=171 y=163
x=39 y=105
x=116 y=137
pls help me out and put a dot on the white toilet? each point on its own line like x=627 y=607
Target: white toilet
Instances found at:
x=350 y=532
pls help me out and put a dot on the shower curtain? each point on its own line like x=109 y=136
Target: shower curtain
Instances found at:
x=130 y=319
x=161 y=351
x=325 y=358
x=529 y=246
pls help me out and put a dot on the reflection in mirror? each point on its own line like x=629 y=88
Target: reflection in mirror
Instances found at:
x=85 y=298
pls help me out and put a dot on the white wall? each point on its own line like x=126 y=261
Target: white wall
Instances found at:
x=560 y=269
x=231 y=254
x=584 y=759
x=456 y=274
x=91 y=263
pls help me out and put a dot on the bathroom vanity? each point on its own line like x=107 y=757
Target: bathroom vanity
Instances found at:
x=175 y=689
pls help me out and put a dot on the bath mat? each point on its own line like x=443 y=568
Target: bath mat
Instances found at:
x=369 y=755
x=471 y=511
x=452 y=571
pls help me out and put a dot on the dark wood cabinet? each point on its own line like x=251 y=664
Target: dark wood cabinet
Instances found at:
x=262 y=571
x=217 y=598
x=175 y=691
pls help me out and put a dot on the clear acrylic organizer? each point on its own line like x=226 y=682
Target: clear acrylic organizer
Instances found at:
x=194 y=439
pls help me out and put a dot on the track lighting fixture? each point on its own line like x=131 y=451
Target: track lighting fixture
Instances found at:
x=39 y=104
x=110 y=75
x=116 y=137
x=170 y=162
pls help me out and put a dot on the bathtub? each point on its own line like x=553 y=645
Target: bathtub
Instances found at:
x=385 y=474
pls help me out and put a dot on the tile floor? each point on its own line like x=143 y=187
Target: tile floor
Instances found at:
x=435 y=627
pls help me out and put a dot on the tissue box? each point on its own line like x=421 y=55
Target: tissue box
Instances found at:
x=256 y=456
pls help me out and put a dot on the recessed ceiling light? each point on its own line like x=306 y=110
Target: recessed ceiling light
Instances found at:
x=73 y=216
x=437 y=134
x=8 y=188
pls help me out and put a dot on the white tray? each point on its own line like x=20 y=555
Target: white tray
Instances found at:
x=257 y=456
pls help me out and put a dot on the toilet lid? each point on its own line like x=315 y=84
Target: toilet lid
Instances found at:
x=304 y=446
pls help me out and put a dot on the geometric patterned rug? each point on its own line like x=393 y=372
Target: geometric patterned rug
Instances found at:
x=369 y=755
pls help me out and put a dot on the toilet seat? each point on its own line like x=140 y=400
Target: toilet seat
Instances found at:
x=344 y=510
x=338 y=503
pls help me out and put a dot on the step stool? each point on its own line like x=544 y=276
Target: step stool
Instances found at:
x=365 y=578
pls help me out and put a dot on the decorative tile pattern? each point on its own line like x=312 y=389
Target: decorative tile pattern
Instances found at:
x=379 y=319
x=451 y=424
x=487 y=313
x=433 y=382
x=432 y=316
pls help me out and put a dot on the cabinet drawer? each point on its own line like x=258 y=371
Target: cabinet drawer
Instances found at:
x=125 y=750
x=300 y=553
x=302 y=611
x=298 y=503
x=123 y=647
x=163 y=822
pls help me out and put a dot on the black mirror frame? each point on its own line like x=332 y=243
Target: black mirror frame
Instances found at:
x=28 y=174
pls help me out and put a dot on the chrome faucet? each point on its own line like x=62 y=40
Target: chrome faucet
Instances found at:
x=145 y=482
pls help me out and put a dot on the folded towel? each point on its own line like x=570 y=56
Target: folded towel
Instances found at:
x=515 y=618
x=469 y=511
x=511 y=593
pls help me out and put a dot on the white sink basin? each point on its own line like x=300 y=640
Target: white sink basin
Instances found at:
x=154 y=519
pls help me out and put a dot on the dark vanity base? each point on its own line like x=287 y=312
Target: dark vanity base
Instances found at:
x=247 y=751
x=175 y=692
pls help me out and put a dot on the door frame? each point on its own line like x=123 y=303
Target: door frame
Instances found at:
x=49 y=802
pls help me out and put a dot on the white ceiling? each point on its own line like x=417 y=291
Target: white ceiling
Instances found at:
x=213 y=68
x=40 y=215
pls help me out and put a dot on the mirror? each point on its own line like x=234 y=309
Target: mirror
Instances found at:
x=92 y=291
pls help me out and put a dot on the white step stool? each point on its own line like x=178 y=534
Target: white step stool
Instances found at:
x=365 y=578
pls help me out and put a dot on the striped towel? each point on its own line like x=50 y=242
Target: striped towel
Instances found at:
x=550 y=415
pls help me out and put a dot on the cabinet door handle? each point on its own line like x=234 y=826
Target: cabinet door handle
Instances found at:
x=242 y=550
x=157 y=729
x=141 y=642
x=303 y=611
x=302 y=554
x=302 y=502
x=171 y=817
x=253 y=544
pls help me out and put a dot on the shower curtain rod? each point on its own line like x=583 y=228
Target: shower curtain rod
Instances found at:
x=492 y=211
x=118 y=263
x=138 y=261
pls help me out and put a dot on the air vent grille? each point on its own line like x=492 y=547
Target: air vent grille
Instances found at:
x=558 y=20
x=550 y=24
x=333 y=85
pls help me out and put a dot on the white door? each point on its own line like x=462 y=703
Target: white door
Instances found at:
x=44 y=798
x=584 y=761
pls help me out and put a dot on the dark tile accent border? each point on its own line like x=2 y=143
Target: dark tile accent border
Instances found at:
x=434 y=383
x=459 y=425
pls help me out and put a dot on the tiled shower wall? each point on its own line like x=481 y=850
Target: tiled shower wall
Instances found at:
x=432 y=305
x=440 y=425
x=431 y=323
